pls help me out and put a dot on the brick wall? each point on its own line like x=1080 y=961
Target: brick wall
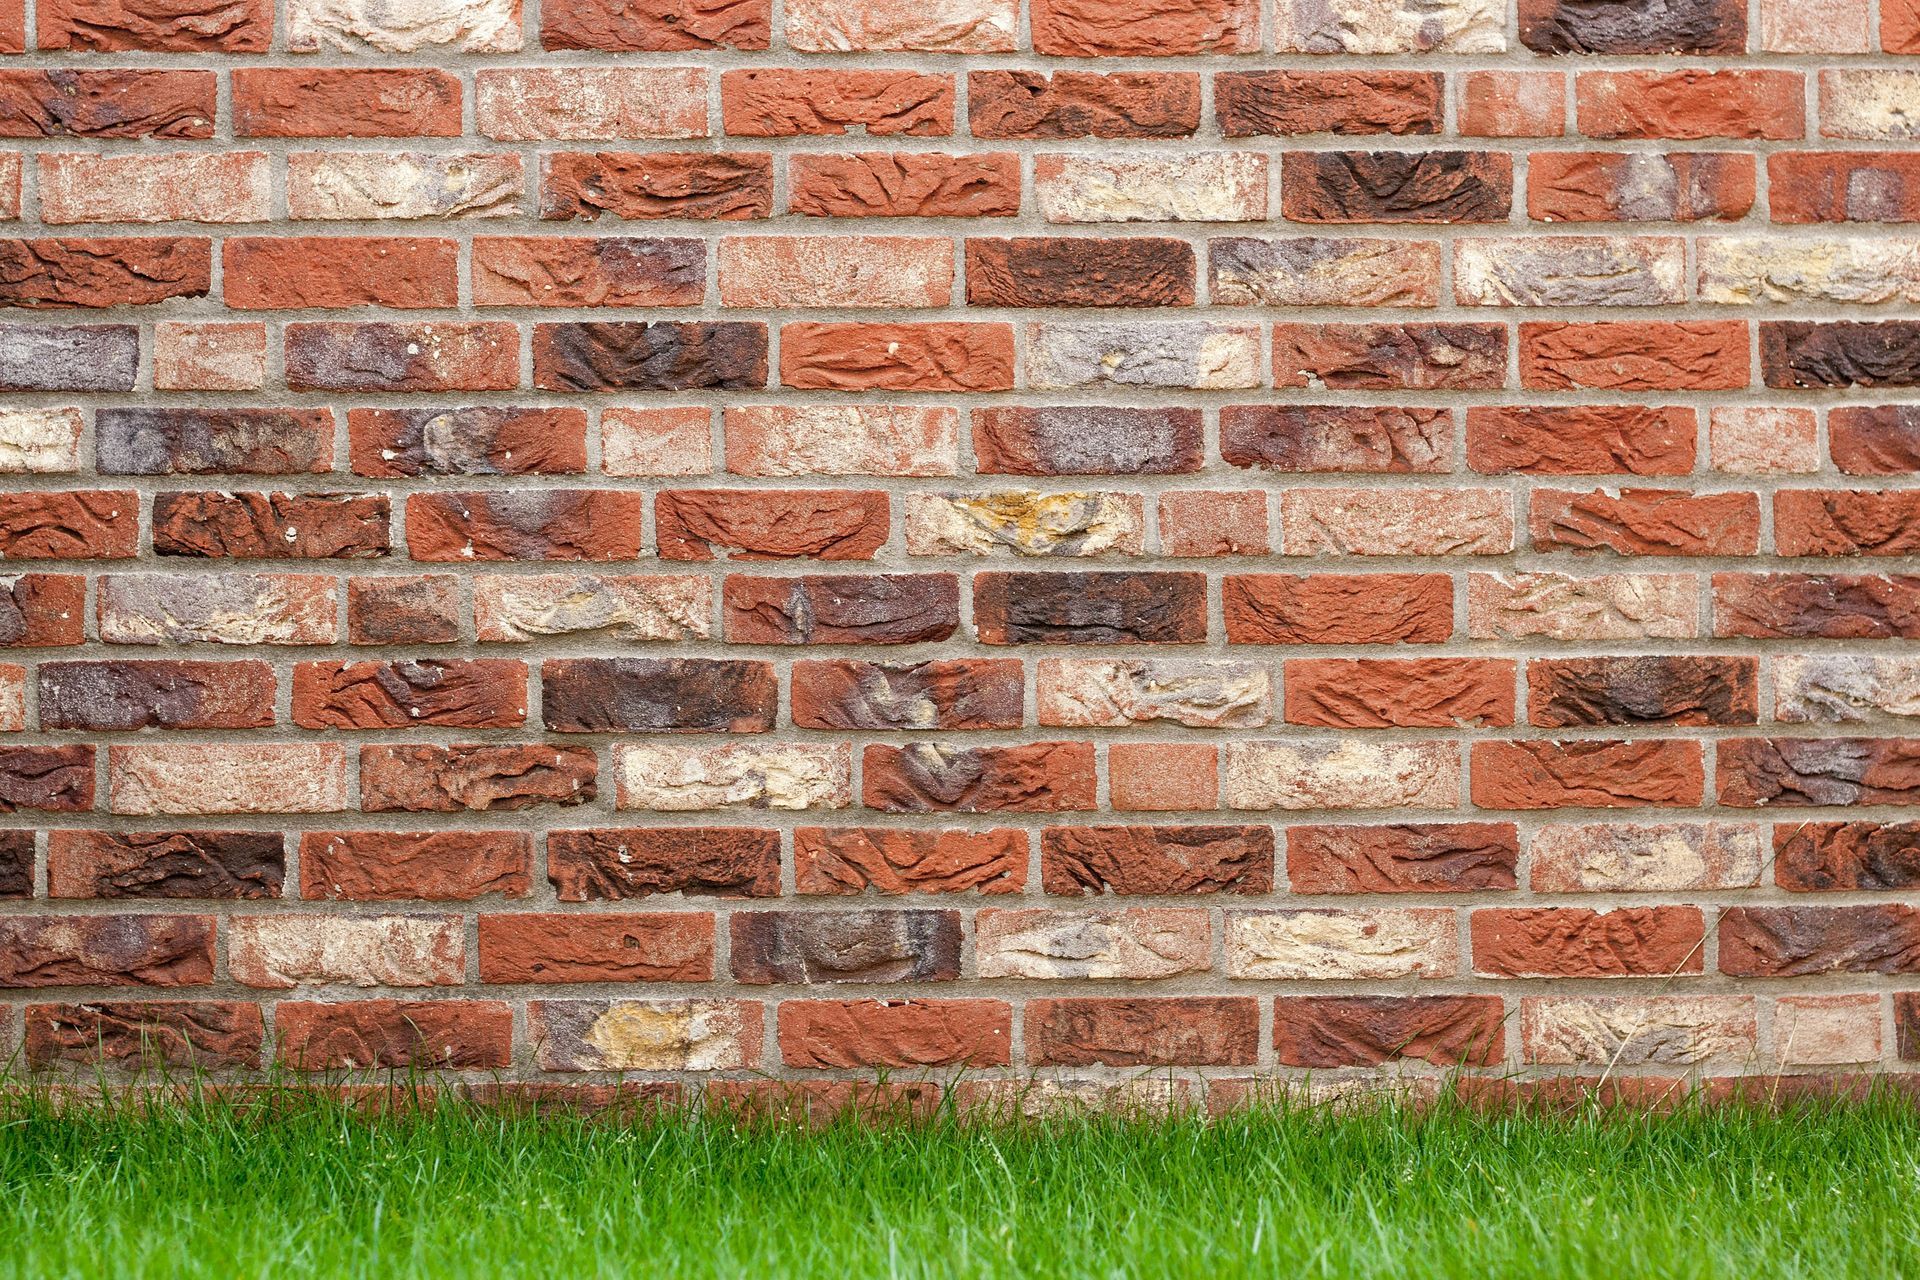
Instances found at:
x=667 y=539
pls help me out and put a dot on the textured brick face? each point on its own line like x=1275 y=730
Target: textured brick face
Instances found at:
x=711 y=539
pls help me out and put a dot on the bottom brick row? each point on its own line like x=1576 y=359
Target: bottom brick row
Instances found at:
x=1684 y=1032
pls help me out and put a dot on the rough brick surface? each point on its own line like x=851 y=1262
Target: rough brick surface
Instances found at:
x=744 y=544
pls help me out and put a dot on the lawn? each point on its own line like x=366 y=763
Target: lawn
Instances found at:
x=210 y=1189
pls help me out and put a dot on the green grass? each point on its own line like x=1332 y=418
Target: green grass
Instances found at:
x=218 y=1190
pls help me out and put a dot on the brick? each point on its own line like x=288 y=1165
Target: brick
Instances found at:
x=209 y=357
x=135 y=271
x=1034 y=777
x=1815 y=857
x=556 y=271
x=1086 y=441
x=1324 y=943
x=953 y=26
x=198 y=26
x=896 y=608
x=1845 y=522
x=1441 y=857
x=198 y=1034
x=1100 y=28
x=894 y=1033
x=285 y=273
x=1637 y=857
x=533 y=104
x=186 y=441
x=1323 y=271
x=377 y=185
x=1396 y=186
x=1366 y=1031
x=845 y=946
x=106 y=951
x=1691 y=104
x=529 y=524
x=1564 y=607
x=1336 y=437
x=613 y=864
x=43 y=609
x=1810 y=605
x=1803 y=354
x=656 y=695
x=1392 y=26
x=529 y=607
x=1090 y=608
x=1692 y=186
x=897 y=357
x=430 y=1035
x=123 y=696
x=1677 y=1031
x=1568 y=942
x=1570 y=271
x=1584 y=439
x=270 y=526
x=415 y=609
x=1395 y=522
x=1638 y=26
x=474 y=776
x=1779 y=942
x=1082 y=104
x=472 y=26
x=345 y=102
x=1842 y=689
x=656 y=184
x=1873 y=104
x=91 y=524
x=1843 y=186
x=1512 y=104
x=1194 y=355
x=1330 y=608
x=1341 y=774
x=1873 y=441
x=1583 y=692
x=880 y=184
x=450 y=356
x=841 y=440
x=216 y=778
x=753 y=524
x=1200 y=523
x=645 y=1035
x=656 y=442
x=1746 y=271
x=179 y=187
x=648 y=356
x=1143 y=1031
x=959 y=693
x=1634 y=356
x=1899 y=27
x=1767 y=441
x=852 y=860
x=457 y=693
x=835 y=271
x=1025 y=523
x=1376 y=693
x=79 y=357
x=1163 y=777
x=220 y=608
x=1587 y=773
x=1754 y=772
x=487 y=441
x=1641 y=522
x=1409 y=357
x=1906 y=1016
x=1282 y=103
x=40 y=441
x=734 y=776
x=165 y=864
x=1213 y=186
x=1827 y=1030
x=17 y=858
x=401 y=866
x=286 y=952
x=1135 y=943
x=655 y=26
x=1059 y=272
x=1156 y=860
x=107 y=104
x=569 y=947
x=775 y=103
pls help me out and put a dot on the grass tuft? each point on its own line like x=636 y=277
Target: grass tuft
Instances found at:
x=192 y=1185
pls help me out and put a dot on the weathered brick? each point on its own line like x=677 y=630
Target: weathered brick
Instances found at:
x=165 y=864
x=1133 y=943
x=449 y=779
x=1872 y=103
x=1338 y=608
x=881 y=184
x=380 y=356
x=1512 y=104
x=529 y=607
x=1341 y=774
x=1779 y=942
x=1392 y=26
x=1052 y=271
x=1646 y=522
x=472 y=26
x=852 y=860
x=1211 y=186
x=483 y=441
x=165 y=695
x=104 y=272
x=1034 y=777
x=656 y=695
x=1374 y=693
x=1086 y=441
x=1843 y=186
x=734 y=776
x=845 y=946
x=1637 y=26
x=899 y=608
x=1585 y=439
x=774 y=103
x=534 y=104
x=76 y=357
x=648 y=356
x=210 y=778
x=608 y=865
x=1082 y=104
x=1366 y=1031
x=645 y=1035
x=1143 y=1031
x=960 y=693
x=1833 y=606
x=656 y=184
x=43 y=609
x=209 y=357
x=402 y=185
x=271 y=526
x=1610 y=1032
x=1568 y=942
x=1158 y=860
x=144 y=441
x=1090 y=608
x=461 y=693
x=843 y=440
x=416 y=609
x=1598 y=186
x=1456 y=857
x=88 y=525
x=106 y=951
x=180 y=187
x=1396 y=186
x=835 y=271
x=1395 y=522
x=209 y=26
x=530 y=524
x=1325 y=943
x=428 y=1035
x=895 y=1033
x=654 y=26
x=569 y=947
x=1102 y=28
x=1250 y=103
x=1691 y=104
x=1587 y=773
x=1634 y=356
x=197 y=1034
x=1644 y=856
x=285 y=952
x=1824 y=856
x=1323 y=271
x=400 y=866
x=1582 y=692
x=1845 y=522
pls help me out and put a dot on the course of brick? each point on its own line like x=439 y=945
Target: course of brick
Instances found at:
x=667 y=540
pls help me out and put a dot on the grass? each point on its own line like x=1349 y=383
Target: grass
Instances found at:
x=209 y=1188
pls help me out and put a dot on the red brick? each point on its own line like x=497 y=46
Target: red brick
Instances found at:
x=959 y=693
x=401 y=866
x=1783 y=942
x=1396 y=186
x=1082 y=104
x=528 y=524
x=1202 y=523
x=570 y=947
x=1687 y=186
x=755 y=524
x=895 y=1033
x=1513 y=104
x=1329 y=608
x=292 y=273
x=196 y=1034
x=1451 y=857
x=197 y=26
x=850 y=860
x=474 y=776
x=601 y=271
x=1568 y=942
x=1695 y=690
x=1692 y=104
x=1757 y=772
x=99 y=524
x=612 y=864
x=270 y=526
x=1144 y=1032
x=1032 y=777
x=1646 y=522
x=1103 y=28
x=1587 y=774
x=107 y=104
x=654 y=26
x=341 y=102
x=1816 y=605
x=882 y=184
x=55 y=779
x=897 y=357
x=1366 y=1031
x=106 y=951
x=1157 y=860
x=171 y=694
x=893 y=608
x=771 y=103
x=1254 y=103
x=420 y=609
x=237 y=865
x=434 y=1035
x=1582 y=440
x=1635 y=355
x=656 y=184
x=459 y=693
x=1846 y=522
x=1374 y=693
x=132 y=271
x=1163 y=776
